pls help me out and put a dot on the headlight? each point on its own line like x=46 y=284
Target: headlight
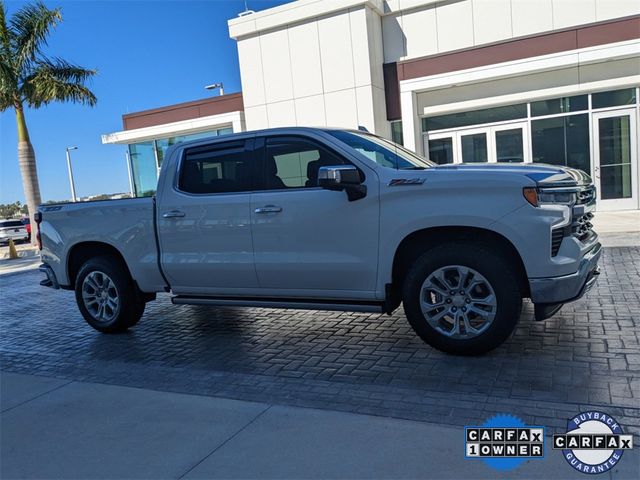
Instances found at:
x=539 y=198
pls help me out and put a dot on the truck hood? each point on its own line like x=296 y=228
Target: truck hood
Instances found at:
x=544 y=175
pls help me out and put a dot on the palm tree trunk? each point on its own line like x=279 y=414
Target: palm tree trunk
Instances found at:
x=27 y=162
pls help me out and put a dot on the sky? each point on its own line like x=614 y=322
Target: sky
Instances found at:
x=148 y=54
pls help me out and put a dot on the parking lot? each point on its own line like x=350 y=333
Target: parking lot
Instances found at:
x=588 y=355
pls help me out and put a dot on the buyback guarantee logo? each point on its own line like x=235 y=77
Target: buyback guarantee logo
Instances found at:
x=594 y=442
x=504 y=442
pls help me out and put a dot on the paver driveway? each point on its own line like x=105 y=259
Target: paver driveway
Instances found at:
x=587 y=355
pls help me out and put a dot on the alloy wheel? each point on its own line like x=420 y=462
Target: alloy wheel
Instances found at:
x=458 y=302
x=100 y=297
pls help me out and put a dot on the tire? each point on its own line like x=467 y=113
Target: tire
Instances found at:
x=119 y=306
x=492 y=301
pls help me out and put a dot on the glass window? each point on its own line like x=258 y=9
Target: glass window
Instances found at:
x=614 y=98
x=220 y=168
x=164 y=143
x=559 y=105
x=145 y=172
x=562 y=141
x=441 y=150
x=293 y=162
x=381 y=151
x=509 y=146
x=396 y=132
x=474 y=147
x=464 y=119
x=615 y=157
x=12 y=223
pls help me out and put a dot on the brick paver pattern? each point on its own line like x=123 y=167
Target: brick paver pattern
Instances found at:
x=586 y=356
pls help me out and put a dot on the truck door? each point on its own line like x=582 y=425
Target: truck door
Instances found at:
x=204 y=216
x=307 y=240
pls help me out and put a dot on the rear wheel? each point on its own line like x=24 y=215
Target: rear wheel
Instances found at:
x=107 y=296
x=462 y=299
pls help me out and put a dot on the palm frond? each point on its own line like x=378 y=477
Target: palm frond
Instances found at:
x=31 y=26
x=5 y=34
x=57 y=80
x=7 y=85
x=8 y=76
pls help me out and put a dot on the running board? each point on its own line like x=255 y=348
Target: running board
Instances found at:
x=332 y=305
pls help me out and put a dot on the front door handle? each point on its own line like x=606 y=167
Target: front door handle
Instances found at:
x=268 y=209
x=173 y=214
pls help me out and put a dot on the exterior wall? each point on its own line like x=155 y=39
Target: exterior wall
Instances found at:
x=583 y=70
x=324 y=71
x=206 y=107
x=417 y=28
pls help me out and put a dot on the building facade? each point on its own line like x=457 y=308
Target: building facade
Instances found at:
x=550 y=81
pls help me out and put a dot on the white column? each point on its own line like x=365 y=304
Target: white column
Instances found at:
x=410 y=122
x=237 y=123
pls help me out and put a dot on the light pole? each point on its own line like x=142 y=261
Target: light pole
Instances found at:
x=215 y=85
x=73 y=187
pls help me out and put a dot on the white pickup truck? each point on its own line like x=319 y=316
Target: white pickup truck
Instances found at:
x=330 y=219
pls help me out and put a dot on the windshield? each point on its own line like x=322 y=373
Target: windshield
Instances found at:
x=382 y=151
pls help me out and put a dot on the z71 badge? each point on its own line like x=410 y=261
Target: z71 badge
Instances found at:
x=398 y=182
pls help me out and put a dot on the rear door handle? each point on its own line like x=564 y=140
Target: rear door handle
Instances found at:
x=268 y=209
x=173 y=214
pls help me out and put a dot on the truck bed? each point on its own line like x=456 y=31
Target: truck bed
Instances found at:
x=127 y=225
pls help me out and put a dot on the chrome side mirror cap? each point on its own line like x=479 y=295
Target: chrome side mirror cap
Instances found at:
x=342 y=177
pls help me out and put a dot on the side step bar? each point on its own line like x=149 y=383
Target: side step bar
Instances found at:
x=333 y=305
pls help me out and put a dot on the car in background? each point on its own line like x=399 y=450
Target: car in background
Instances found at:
x=27 y=224
x=14 y=230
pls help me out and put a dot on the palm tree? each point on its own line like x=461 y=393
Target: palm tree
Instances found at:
x=29 y=78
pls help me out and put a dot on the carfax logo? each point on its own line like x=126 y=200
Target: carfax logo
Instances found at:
x=594 y=442
x=504 y=442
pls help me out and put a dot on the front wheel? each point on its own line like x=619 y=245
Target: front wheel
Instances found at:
x=107 y=296
x=462 y=299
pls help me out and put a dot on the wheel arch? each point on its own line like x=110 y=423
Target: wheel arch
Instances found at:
x=83 y=251
x=420 y=241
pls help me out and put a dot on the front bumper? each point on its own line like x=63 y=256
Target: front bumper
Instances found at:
x=567 y=288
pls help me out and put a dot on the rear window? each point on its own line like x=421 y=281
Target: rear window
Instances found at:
x=220 y=168
x=11 y=223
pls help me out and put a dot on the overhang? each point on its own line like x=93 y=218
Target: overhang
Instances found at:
x=234 y=120
x=180 y=119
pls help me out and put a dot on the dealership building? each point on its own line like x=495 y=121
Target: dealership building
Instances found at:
x=548 y=81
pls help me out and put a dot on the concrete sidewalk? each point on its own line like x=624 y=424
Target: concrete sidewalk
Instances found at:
x=54 y=428
x=618 y=229
x=28 y=259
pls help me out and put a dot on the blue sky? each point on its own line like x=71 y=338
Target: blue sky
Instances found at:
x=148 y=54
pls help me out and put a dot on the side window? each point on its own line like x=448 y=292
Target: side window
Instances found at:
x=293 y=162
x=218 y=168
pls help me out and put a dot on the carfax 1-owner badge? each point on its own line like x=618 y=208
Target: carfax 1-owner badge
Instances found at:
x=594 y=442
x=504 y=442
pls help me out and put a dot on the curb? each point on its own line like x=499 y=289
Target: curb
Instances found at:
x=30 y=268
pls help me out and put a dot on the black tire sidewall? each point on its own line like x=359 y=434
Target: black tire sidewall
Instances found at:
x=488 y=263
x=131 y=306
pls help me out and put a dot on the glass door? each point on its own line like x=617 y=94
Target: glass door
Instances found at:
x=474 y=146
x=440 y=147
x=615 y=159
x=510 y=143
x=506 y=143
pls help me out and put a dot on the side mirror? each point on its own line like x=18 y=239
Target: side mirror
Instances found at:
x=342 y=177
